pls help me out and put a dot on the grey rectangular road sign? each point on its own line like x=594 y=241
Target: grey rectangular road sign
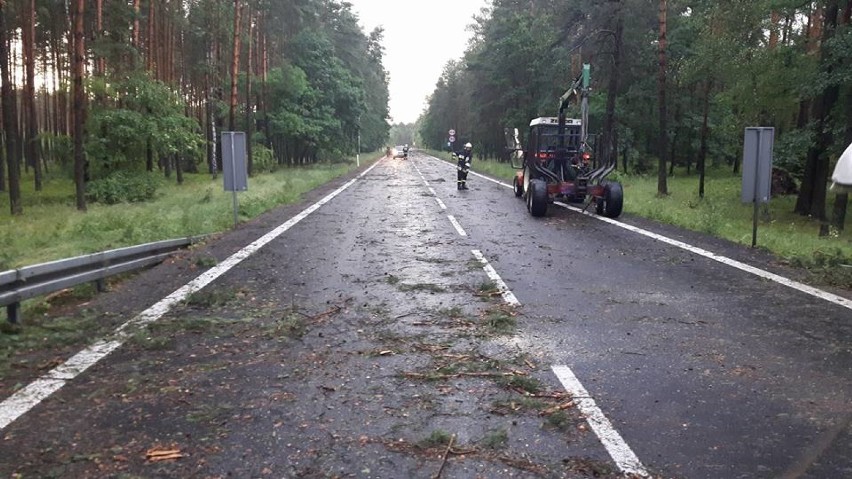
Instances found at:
x=757 y=164
x=234 y=160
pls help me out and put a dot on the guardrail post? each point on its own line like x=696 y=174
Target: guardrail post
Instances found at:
x=100 y=285
x=12 y=312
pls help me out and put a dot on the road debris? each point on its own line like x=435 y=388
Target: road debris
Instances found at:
x=158 y=454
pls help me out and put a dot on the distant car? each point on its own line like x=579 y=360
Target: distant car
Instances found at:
x=400 y=152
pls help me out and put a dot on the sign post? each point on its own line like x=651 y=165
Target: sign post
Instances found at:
x=234 y=168
x=757 y=170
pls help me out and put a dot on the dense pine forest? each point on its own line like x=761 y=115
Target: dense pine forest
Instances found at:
x=108 y=93
x=674 y=83
x=99 y=92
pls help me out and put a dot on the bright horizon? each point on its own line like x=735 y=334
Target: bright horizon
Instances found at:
x=420 y=37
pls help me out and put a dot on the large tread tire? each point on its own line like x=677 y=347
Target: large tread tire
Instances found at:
x=613 y=201
x=601 y=202
x=537 y=198
x=517 y=187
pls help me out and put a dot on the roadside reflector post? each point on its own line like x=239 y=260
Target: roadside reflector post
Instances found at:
x=757 y=170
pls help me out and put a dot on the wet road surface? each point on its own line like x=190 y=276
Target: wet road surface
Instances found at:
x=368 y=341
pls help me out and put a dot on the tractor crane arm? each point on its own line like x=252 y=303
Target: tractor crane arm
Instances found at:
x=579 y=90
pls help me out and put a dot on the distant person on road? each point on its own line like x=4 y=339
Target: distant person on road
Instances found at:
x=464 y=158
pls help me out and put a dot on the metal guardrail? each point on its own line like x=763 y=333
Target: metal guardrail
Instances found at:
x=17 y=285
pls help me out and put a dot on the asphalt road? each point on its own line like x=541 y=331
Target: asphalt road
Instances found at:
x=367 y=340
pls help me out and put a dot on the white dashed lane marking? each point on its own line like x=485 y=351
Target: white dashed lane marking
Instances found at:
x=507 y=294
x=457 y=225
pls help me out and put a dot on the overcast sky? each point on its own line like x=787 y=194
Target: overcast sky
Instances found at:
x=420 y=37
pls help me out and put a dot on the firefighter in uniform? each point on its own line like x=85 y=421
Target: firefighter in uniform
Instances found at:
x=464 y=158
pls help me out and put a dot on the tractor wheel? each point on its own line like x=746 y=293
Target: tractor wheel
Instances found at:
x=613 y=201
x=600 y=202
x=518 y=187
x=525 y=186
x=537 y=198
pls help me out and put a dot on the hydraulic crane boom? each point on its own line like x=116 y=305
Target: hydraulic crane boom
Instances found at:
x=580 y=89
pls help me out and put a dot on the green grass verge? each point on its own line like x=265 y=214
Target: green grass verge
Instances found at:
x=51 y=228
x=720 y=213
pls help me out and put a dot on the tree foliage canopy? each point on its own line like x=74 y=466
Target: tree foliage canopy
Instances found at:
x=160 y=82
x=757 y=63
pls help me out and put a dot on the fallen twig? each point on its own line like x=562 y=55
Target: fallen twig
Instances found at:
x=554 y=395
x=524 y=464
x=163 y=454
x=446 y=453
x=558 y=407
x=460 y=357
x=330 y=311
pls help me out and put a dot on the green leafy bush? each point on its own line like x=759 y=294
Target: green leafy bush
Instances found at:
x=791 y=150
x=139 y=118
x=123 y=187
x=262 y=159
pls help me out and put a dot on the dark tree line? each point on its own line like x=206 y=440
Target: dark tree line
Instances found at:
x=674 y=82
x=94 y=88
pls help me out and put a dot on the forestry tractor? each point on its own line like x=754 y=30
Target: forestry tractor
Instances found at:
x=558 y=164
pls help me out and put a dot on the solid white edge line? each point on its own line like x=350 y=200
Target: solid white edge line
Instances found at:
x=498 y=182
x=27 y=398
x=818 y=293
x=810 y=290
x=618 y=449
x=24 y=399
x=507 y=294
x=457 y=225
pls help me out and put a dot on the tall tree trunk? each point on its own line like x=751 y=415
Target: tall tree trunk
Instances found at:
x=79 y=104
x=662 y=188
x=3 y=50
x=249 y=109
x=812 y=196
x=610 y=153
x=136 y=12
x=218 y=64
x=45 y=99
x=179 y=169
x=774 y=19
x=705 y=135
x=210 y=120
x=150 y=48
x=676 y=137
x=10 y=122
x=264 y=89
x=838 y=217
x=149 y=157
x=100 y=64
x=235 y=65
x=31 y=146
